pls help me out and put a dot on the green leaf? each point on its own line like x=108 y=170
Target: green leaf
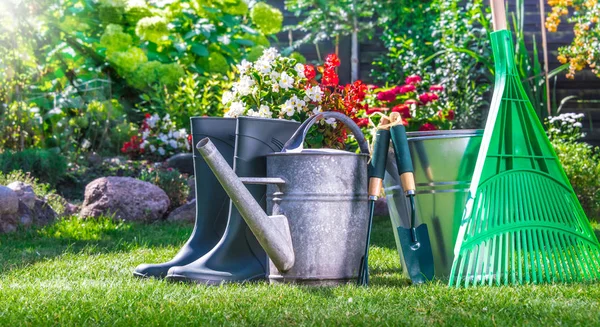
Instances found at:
x=190 y=34
x=200 y=50
x=244 y=42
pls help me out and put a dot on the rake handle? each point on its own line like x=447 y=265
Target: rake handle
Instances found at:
x=498 y=14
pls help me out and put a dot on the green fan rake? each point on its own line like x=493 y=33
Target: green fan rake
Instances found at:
x=522 y=222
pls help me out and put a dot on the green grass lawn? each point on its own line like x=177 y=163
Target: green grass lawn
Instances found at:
x=79 y=273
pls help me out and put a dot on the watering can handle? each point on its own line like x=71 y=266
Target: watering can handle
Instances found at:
x=296 y=142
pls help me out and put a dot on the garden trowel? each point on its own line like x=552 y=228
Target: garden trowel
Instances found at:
x=414 y=241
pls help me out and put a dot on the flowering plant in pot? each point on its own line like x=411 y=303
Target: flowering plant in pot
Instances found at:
x=275 y=86
x=157 y=137
x=420 y=103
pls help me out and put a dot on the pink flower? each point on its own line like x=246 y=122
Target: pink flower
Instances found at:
x=403 y=109
x=427 y=127
x=411 y=101
x=389 y=95
x=450 y=115
x=428 y=97
x=405 y=88
x=436 y=87
x=413 y=79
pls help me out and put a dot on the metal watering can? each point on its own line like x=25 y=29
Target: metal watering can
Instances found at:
x=319 y=202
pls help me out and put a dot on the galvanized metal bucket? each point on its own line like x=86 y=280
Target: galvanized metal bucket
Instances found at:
x=325 y=199
x=444 y=162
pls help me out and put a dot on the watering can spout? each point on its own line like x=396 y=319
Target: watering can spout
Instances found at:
x=272 y=232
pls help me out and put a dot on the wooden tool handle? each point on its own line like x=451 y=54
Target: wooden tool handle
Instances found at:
x=498 y=14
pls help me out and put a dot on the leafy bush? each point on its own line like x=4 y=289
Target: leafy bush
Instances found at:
x=444 y=41
x=20 y=126
x=169 y=180
x=46 y=165
x=580 y=161
x=42 y=190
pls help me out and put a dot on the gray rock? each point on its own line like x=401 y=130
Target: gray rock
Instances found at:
x=9 y=201
x=44 y=214
x=186 y=213
x=25 y=193
x=126 y=198
x=192 y=186
x=184 y=162
x=26 y=215
x=9 y=222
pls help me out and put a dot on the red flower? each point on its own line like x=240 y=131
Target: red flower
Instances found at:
x=436 y=87
x=309 y=71
x=370 y=111
x=389 y=95
x=405 y=88
x=330 y=78
x=428 y=97
x=332 y=61
x=413 y=79
x=362 y=122
x=427 y=127
x=147 y=115
x=450 y=115
x=403 y=109
x=411 y=101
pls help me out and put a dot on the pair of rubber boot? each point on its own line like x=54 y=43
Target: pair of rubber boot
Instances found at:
x=222 y=248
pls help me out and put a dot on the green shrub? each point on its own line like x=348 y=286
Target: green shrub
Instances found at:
x=42 y=190
x=45 y=165
x=169 y=180
x=580 y=161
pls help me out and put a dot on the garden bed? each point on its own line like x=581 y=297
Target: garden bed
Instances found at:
x=79 y=273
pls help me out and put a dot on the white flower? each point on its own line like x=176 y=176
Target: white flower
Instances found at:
x=299 y=69
x=225 y=39
x=166 y=118
x=55 y=111
x=286 y=81
x=183 y=133
x=265 y=111
x=164 y=138
x=143 y=144
x=244 y=67
x=227 y=97
x=275 y=88
x=315 y=93
x=288 y=108
x=331 y=121
x=244 y=85
x=86 y=144
x=161 y=151
x=578 y=125
x=274 y=75
x=269 y=55
x=173 y=144
x=152 y=148
x=34 y=110
x=237 y=108
x=317 y=110
x=263 y=66
x=145 y=134
x=252 y=113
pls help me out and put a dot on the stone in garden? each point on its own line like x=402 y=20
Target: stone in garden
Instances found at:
x=126 y=198
x=185 y=213
x=70 y=209
x=25 y=193
x=192 y=186
x=9 y=208
x=183 y=162
x=9 y=201
x=25 y=214
x=43 y=213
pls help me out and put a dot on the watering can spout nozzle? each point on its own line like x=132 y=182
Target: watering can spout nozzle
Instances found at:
x=272 y=232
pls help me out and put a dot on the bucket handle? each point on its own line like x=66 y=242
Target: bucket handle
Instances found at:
x=296 y=142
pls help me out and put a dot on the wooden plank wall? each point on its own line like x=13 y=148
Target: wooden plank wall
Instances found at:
x=585 y=86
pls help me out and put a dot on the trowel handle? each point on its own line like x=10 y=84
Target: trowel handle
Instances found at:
x=378 y=161
x=403 y=159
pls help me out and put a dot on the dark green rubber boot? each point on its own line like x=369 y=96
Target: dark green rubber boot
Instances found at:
x=212 y=203
x=239 y=257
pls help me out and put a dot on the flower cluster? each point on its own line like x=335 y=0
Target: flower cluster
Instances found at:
x=584 y=50
x=419 y=103
x=157 y=137
x=566 y=127
x=272 y=87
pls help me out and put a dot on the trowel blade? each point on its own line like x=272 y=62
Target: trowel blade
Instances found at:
x=418 y=256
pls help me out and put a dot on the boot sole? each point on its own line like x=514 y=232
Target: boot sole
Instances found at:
x=211 y=282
